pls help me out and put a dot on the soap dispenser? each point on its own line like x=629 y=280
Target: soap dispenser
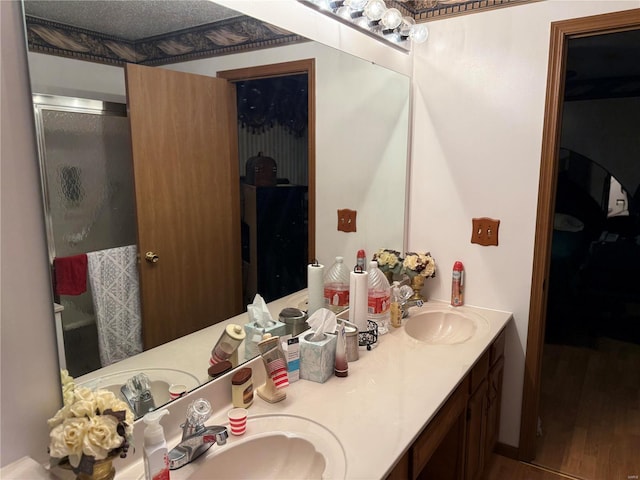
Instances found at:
x=156 y=456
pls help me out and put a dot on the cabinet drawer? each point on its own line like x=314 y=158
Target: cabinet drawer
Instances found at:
x=497 y=349
x=479 y=372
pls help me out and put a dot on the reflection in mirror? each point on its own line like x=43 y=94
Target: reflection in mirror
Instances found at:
x=361 y=123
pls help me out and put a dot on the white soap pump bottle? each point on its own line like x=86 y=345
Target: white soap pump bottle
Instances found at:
x=156 y=455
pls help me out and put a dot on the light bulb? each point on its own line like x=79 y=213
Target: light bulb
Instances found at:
x=392 y=18
x=362 y=22
x=375 y=9
x=407 y=24
x=344 y=12
x=357 y=5
x=419 y=33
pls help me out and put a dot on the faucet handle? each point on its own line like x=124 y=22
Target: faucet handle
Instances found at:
x=198 y=412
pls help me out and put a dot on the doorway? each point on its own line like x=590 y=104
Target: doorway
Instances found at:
x=590 y=288
x=278 y=214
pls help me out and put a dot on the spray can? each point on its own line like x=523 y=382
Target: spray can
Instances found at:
x=457 y=285
x=361 y=260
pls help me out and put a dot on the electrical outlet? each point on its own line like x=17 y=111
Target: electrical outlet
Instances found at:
x=347 y=220
x=485 y=231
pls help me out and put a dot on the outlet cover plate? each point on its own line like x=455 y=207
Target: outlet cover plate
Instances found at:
x=347 y=220
x=485 y=231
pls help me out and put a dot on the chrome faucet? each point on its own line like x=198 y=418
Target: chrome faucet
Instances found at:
x=137 y=393
x=196 y=438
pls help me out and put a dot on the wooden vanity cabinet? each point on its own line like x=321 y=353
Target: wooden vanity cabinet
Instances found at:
x=458 y=441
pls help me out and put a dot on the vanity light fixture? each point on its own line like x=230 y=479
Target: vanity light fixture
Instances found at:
x=374 y=18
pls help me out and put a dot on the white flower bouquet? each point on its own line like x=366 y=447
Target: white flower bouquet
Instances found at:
x=91 y=426
x=423 y=264
x=388 y=260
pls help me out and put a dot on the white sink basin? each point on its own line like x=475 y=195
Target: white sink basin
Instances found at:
x=160 y=379
x=273 y=447
x=445 y=326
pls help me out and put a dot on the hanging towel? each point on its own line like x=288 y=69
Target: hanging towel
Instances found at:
x=113 y=276
x=70 y=274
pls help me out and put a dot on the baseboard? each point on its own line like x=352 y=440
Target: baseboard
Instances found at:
x=505 y=450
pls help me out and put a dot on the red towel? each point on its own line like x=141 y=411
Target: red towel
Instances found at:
x=71 y=274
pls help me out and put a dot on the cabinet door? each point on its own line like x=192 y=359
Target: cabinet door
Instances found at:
x=494 y=398
x=476 y=432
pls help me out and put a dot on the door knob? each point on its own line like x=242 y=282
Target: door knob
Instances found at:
x=151 y=257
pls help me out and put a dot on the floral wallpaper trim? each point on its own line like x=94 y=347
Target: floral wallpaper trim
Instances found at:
x=233 y=35
x=423 y=10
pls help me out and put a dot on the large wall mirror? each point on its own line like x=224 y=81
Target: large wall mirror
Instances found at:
x=353 y=153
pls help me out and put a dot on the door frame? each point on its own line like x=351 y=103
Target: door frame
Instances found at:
x=306 y=66
x=561 y=32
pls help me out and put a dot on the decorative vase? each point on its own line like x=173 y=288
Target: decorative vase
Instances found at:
x=417 y=282
x=102 y=470
x=389 y=275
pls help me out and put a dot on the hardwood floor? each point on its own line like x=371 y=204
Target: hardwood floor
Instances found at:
x=590 y=410
x=503 y=468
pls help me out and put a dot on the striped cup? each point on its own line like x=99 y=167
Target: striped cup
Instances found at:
x=237 y=420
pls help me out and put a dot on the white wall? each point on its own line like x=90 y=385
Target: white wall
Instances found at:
x=479 y=93
x=30 y=388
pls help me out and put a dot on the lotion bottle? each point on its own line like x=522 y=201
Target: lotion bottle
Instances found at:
x=156 y=455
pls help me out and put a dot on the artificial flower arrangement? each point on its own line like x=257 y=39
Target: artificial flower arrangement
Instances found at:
x=388 y=260
x=422 y=264
x=91 y=426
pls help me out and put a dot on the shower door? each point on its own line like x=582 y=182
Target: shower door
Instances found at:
x=87 y=180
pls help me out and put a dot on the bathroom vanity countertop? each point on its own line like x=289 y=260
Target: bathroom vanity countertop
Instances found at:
x=377 y=412
x=390 y=394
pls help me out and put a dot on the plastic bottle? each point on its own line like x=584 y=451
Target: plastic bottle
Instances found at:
x=361 y=260
x=336 y=287
x=396 y=309
x=457 y=285
x=156 y=455
x=379 y=299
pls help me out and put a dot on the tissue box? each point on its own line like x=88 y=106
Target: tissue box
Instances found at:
x=254 y=336
x=317 y=359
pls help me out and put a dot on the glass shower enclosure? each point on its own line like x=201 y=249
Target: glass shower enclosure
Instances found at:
x=84 y=149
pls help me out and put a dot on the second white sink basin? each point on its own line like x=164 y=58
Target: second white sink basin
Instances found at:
x=445 y=326
x=273 y=447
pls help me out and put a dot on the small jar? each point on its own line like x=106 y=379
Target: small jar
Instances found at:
x=242 y=388
x=227 y=344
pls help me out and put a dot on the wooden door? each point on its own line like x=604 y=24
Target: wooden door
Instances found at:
x=184 y=138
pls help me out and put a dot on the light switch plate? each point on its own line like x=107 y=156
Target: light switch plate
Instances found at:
x=485 y=231
x=347 y=220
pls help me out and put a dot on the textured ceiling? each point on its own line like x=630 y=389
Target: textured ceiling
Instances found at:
x=130 y=19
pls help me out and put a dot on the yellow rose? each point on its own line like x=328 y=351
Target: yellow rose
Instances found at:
x=105 y=400
x=84 y=393
x=83 y=408
x=101 y=437
x=60 y=416
x=430 y=268
x=66 y=439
